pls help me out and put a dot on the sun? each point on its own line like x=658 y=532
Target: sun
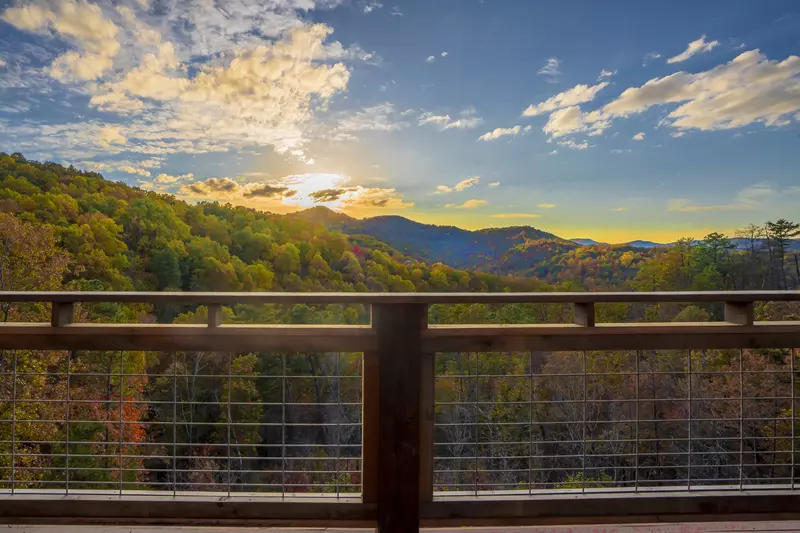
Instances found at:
x=306 y=184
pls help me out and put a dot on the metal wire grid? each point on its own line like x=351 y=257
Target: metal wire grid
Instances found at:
x=614 y=421
x=189 y=423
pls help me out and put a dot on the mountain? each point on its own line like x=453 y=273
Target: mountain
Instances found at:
x=745 y=244
x=460 y=248
x=646 y=244
x=589 y=242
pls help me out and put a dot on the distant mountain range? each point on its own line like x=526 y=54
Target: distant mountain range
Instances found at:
x=741 y=244
x=453 y=246
x=635 y=244
x=518 y=249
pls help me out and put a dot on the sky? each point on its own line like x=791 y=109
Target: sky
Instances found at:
x=615 y=120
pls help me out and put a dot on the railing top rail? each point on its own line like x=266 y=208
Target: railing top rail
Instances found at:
x=231 y=298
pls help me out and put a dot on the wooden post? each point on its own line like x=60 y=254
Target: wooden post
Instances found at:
x=426 y=429
x=584 y=314
x=214 y=315
x=369 y=427
x=63 y=313
x=399 y=339
x=740 y=313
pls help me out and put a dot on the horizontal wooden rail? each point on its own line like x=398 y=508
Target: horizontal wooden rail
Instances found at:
x=574 y=509
x=187 y=337
x=232 y=298
x=639 y=336
x=598 y=508
x=477 y=338
x=185 y=511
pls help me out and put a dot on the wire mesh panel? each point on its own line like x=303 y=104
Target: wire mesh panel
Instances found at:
x=180 y=423
x=512 y=423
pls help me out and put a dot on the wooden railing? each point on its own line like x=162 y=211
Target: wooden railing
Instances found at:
x=399 y=348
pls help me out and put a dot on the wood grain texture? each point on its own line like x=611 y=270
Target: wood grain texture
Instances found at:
x=476 y=338
x=62 y=314
x=584 y=314
x=740 y=313
x=613 y=509
x=398 y=329
x=645 y=336
x=41 y=509
x=214 y=315
x=190 y=337
x=231 y=298
x=427 y=408
x=370 y=398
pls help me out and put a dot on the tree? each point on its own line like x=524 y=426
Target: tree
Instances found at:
x=151 y=225
x=754 y=237
x=29 y=259
x=288 y=259
x=779 y=237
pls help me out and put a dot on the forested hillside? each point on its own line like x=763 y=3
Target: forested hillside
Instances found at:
x=482 y=250
x=100 y=235
x=61 y=228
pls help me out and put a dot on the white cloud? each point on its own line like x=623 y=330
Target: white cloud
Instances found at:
x=597 y=128
x=553 y=152
x=606 y=73
x=396 y=12
x=572 y=145
x=757 y=193
x=371 y=6
x=494 y=184
x=577 y=95
x=467 y=119
x=500 y=132
x=375 y=198
x=129 y=167
x=381 y=117
x=135 y=170
x=430 y=59
x=684 y=205
x=695 y=47
x=108 y=135
x=166 y=179
x=564 y=121
x=458 y=187
x=466 y=184
x=618 y=151
x=248 y=74
x=677 y=134
x=82 y=24
x=639 y=136
x=444 y=54
x=516 y=215
x=746 y=90
x=648 y=57
x=469 y=204
x=551 y=69
x=150 y=163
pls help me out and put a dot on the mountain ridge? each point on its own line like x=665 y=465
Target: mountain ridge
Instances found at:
x=503 y=250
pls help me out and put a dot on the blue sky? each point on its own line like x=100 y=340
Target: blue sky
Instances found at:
x=614 y=120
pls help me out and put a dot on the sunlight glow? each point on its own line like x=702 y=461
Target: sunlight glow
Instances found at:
x=306 y=184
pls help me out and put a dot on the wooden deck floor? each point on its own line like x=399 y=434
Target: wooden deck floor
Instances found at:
x=720 y=527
